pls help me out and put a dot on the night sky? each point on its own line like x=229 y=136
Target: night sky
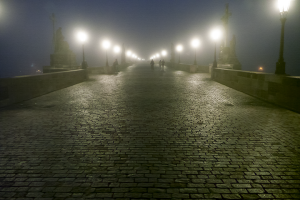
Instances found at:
x=145 y=27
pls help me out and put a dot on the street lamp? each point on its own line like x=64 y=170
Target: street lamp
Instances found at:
x=106 y=45
x=82 y=37
x=179 y=49
x=117 y=49
x=134 y=56
x=283 y=6
x=215 y=36
x=164 y=53
x=195 y=43
x=128 y=53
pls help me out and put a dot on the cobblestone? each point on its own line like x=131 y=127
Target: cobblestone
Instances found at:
x=143 y=134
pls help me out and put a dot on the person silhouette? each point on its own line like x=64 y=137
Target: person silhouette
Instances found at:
x=159 y=63
x=152 y=63
x=163 y=65
x=115 y=65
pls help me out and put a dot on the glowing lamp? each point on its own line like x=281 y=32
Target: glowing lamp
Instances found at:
x=117 y=49
x=82 y=36
x=284 y=5
x=106 y=44
x=215 y=34
x=195 y=43
x=179 y=48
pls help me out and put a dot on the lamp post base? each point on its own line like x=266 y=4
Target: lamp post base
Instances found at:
x=280 y=68
x=106 y=64
x=84 y=65
x=215 y=64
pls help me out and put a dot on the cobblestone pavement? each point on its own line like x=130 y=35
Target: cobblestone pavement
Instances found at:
x=143 y=134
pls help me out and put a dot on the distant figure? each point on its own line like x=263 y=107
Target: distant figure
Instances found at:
x=160 y=64
x=163 y=64
x=115 y=65
x=152 y=63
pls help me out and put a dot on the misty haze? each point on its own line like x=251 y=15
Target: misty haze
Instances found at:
x=149 y=99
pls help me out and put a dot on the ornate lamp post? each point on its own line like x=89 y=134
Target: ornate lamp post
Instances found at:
x=215 y=36
x=163 y=53
x=195 y=43
x=82 y=37
x=117 y=49
x=128 y=53
x=106 y=45
x=134 y=57
x=179 y=49
x=283 y=9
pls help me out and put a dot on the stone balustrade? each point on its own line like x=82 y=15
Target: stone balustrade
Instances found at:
x=21 y=88
x=188 y=67
x=277 y=89
x=105 y=70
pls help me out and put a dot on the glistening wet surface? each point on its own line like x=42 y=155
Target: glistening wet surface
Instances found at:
x=147 y=134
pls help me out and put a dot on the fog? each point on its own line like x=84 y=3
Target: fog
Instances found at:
x=145 y=27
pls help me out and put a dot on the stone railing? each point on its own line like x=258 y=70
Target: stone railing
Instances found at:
x=280 y=90
x=21 y=88
x=188 y=67
x=105 y=70
x=96 y=70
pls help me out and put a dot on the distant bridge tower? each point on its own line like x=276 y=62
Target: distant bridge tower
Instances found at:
x=53 y=19
x=225 y=20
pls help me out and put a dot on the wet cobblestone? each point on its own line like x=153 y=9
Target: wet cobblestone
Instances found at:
x=143 y=134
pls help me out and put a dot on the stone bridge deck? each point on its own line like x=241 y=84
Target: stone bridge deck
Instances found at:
x=144 y=134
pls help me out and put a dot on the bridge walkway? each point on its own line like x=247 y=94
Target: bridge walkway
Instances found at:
x=147 y=134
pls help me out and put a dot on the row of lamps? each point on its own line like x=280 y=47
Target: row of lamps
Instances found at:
x=195 y=43
x=157 y=55
x=106 y=44
x=216 y=34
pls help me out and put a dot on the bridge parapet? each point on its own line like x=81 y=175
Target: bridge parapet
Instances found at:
x=277 y=89
x=106 y=70
x=188 y=67
x=21 y=88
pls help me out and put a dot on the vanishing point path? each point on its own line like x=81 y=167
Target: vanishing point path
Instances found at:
x=143 y=134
